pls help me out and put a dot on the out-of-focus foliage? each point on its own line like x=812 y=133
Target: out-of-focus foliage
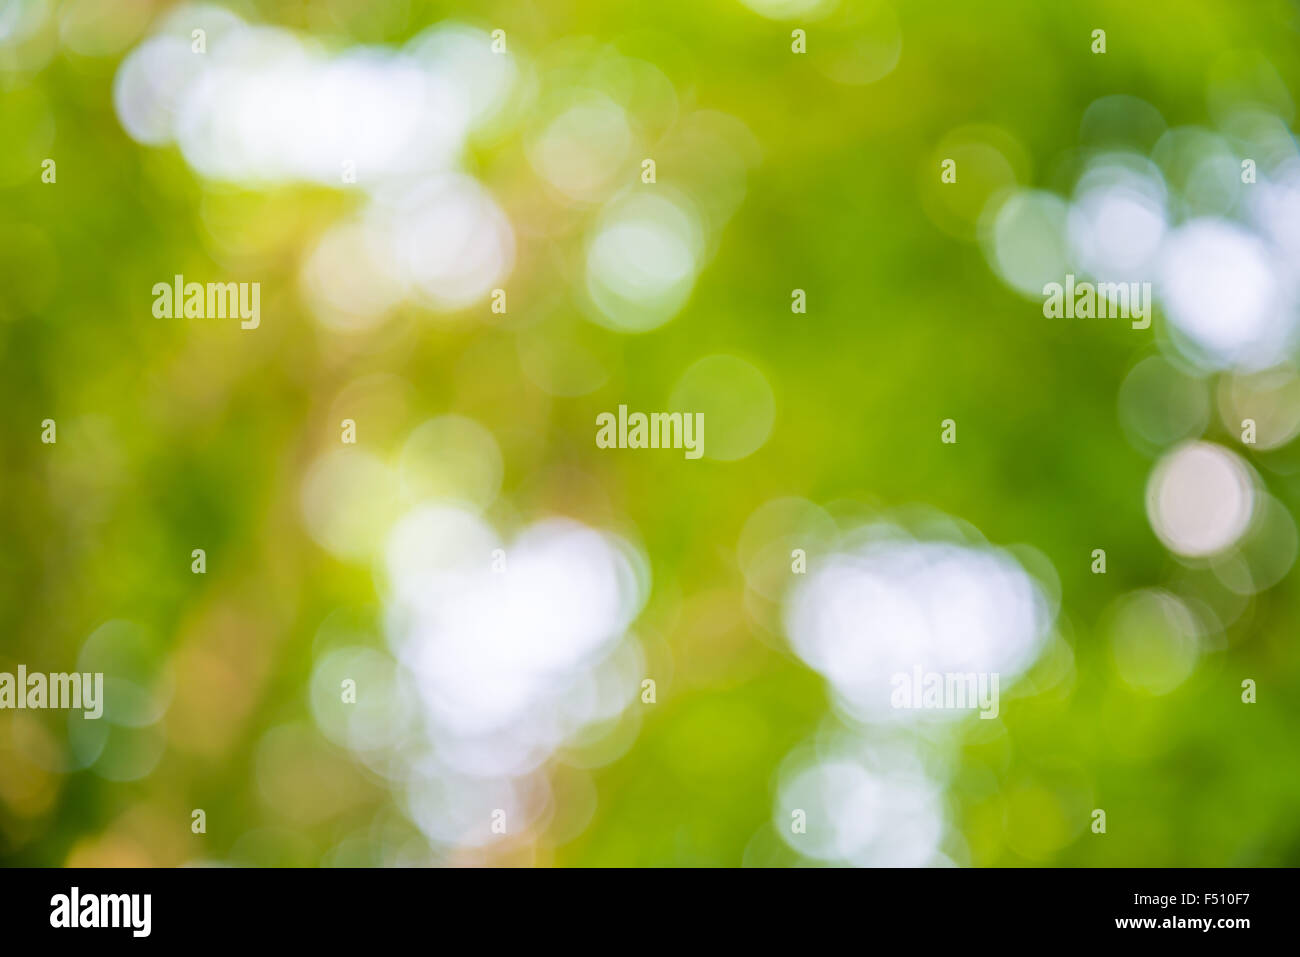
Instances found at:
x=775 y=171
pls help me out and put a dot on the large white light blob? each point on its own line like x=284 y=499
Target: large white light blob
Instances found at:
x=515 y=650
x=1200 y=498
x=889 y=607
x=868 y=813
x=1228 y=301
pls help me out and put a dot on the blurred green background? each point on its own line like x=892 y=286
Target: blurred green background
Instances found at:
x=183 y=434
